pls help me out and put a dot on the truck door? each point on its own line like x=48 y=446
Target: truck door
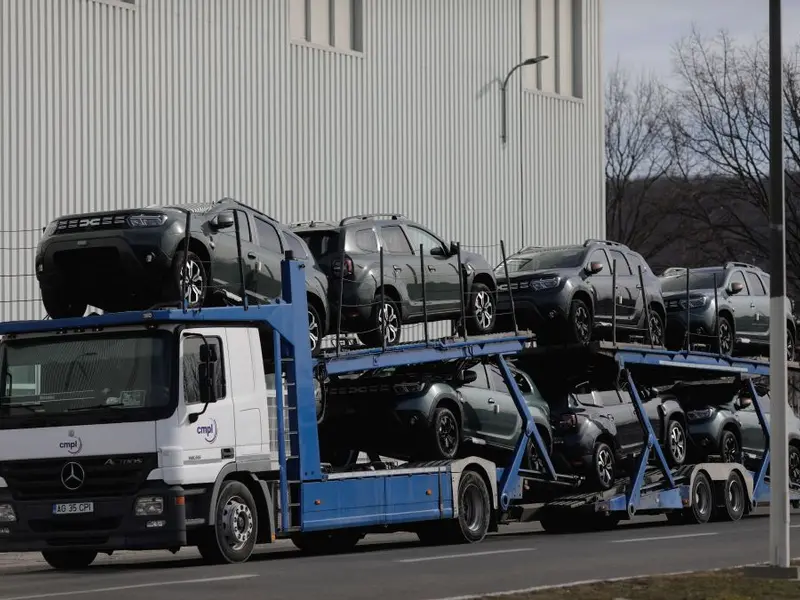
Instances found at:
x=209 y=442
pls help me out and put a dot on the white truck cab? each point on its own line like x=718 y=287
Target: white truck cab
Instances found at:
x=120 y=438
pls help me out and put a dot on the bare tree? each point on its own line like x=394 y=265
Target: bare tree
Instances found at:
x=723 y=103
x=640 y=152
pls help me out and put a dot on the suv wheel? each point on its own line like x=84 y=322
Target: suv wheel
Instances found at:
x=193 y=276
x=481 y=313
x=790 y=345
x=675 y=443
x=725 y=336
x=580 y=322
x=729 y=447
x=385 y=324
x=603 y=466
x=656 y=329
x=445 y=434
x=314 y=329
x=60 y=306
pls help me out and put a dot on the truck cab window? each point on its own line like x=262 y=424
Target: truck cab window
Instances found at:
x=191 y=364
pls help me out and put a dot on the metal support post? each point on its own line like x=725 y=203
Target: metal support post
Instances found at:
x=424 y=294
x=647 y=330
x=778 y=373
x=185 y=276
x=508 y=283
x=240 y=262
x=688 y=315
x=614 y=306
x=382 y=308
x=280 y=413
x=716 y=315
x=341 y=300
x=462 y=273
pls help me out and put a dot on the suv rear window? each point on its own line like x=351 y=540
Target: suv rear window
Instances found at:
x=321 y=243
x=362 y=240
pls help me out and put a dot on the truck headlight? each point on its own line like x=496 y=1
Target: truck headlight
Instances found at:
x=7 y=514
x=148 y=506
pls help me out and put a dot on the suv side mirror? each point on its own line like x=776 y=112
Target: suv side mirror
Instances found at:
x=222 y=221
x=466 y=377
x=438 y=251
x=593 y=268
x=735 y=287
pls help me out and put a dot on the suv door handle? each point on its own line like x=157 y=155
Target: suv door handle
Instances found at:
x=752 y=305
x=396 y=268
x=431 y=268
x=251 y=254
x=492 y=401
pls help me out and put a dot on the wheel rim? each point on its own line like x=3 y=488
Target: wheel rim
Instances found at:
x=701 y=499
x=237 y=523
x=484 y=310
x=389 y=323
x=535 y=460
x=725 y=337
x=605 y=466
x=447 y=434
x=582 y=323
x=192 y=280
x=735 y=496
x=313 y=329
x=789 y=346
x=730 y=449
x=656 y=331
x=794 y=467
x=677 y=443
x=472 y=508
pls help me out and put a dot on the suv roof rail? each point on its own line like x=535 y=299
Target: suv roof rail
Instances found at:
x=392 y=216
x=606 y=242
x=229 y=200
x=310 y=224
x=743 y=265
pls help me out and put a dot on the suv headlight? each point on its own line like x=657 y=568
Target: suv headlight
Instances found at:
x=547 y=283
x=50 y=229
x=7 y=514
x=695 y=302
x=700 y=414
x=149 y=506
x=146 y=220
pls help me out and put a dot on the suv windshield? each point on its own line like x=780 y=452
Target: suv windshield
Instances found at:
x=320 y=243
x=698 y=280
x=547 y=258
x=125 y=377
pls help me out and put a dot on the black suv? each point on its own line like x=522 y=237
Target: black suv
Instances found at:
x=350 y=255
x=565 y=293
x=742 y=295
x=134 y=259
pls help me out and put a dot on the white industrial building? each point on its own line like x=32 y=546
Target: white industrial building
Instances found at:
x=305 y=109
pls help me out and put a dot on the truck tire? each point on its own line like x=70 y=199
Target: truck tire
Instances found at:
x=326 y=542
x=69 y=560
x=474 y=510
x=702 y=496
x=733 y=505
x=233 y=537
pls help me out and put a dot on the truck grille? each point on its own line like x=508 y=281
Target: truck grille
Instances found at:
x=90 y=223
x=103 y=476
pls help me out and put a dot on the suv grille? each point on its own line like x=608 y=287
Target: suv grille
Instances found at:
x=104 y=476
x=89 y=223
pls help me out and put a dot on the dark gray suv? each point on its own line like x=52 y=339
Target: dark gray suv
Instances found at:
x=350 y=255
x=134 y=259
x=742 y=295
x=430 y=413
x=565 y=293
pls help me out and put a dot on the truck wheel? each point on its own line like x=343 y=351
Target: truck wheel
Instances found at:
x=326 y=542
x=734 y=498
x=445 y=435
x=481 y=312
x=474 y=510
x=69 y=560
x=702 y=501
x=59 y=305
x=675 y=443
x=233 y=537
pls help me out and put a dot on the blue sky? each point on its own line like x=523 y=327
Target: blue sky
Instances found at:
x=642 y=32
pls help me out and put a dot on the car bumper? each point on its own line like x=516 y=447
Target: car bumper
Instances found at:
x=539 y=311
x=106 y=268
x=112 y=525
x=357 y=300
x=703 y=437
x=573 y=451
x=700 y=325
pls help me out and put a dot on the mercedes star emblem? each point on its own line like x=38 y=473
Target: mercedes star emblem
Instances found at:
x=72 y=476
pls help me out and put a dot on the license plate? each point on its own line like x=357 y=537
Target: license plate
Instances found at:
x=73 y=508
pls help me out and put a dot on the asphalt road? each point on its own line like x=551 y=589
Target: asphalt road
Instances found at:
x=397 y=568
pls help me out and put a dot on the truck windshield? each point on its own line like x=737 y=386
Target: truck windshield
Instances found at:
x=80 y=378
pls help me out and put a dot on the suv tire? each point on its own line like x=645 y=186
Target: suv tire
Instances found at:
x=725 y=337
x=197 y=284
x=59 y=305
x=603 y=466
x=790 y=345
x=444 y=435
x=315 y=330
x=374 y=336
x=481 y=310
x=675 y=443
x=579 y=322
x=655 y=329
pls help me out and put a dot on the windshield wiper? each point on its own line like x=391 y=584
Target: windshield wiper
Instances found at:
x=31 y=406
x=93 y=407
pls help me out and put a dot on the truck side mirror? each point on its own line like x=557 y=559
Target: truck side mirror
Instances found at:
x=207 y=375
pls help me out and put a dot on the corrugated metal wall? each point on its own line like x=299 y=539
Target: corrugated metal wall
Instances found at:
x=103 y=106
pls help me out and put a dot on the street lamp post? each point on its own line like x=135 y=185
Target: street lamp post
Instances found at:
x=504 y=87
x=779 y=444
